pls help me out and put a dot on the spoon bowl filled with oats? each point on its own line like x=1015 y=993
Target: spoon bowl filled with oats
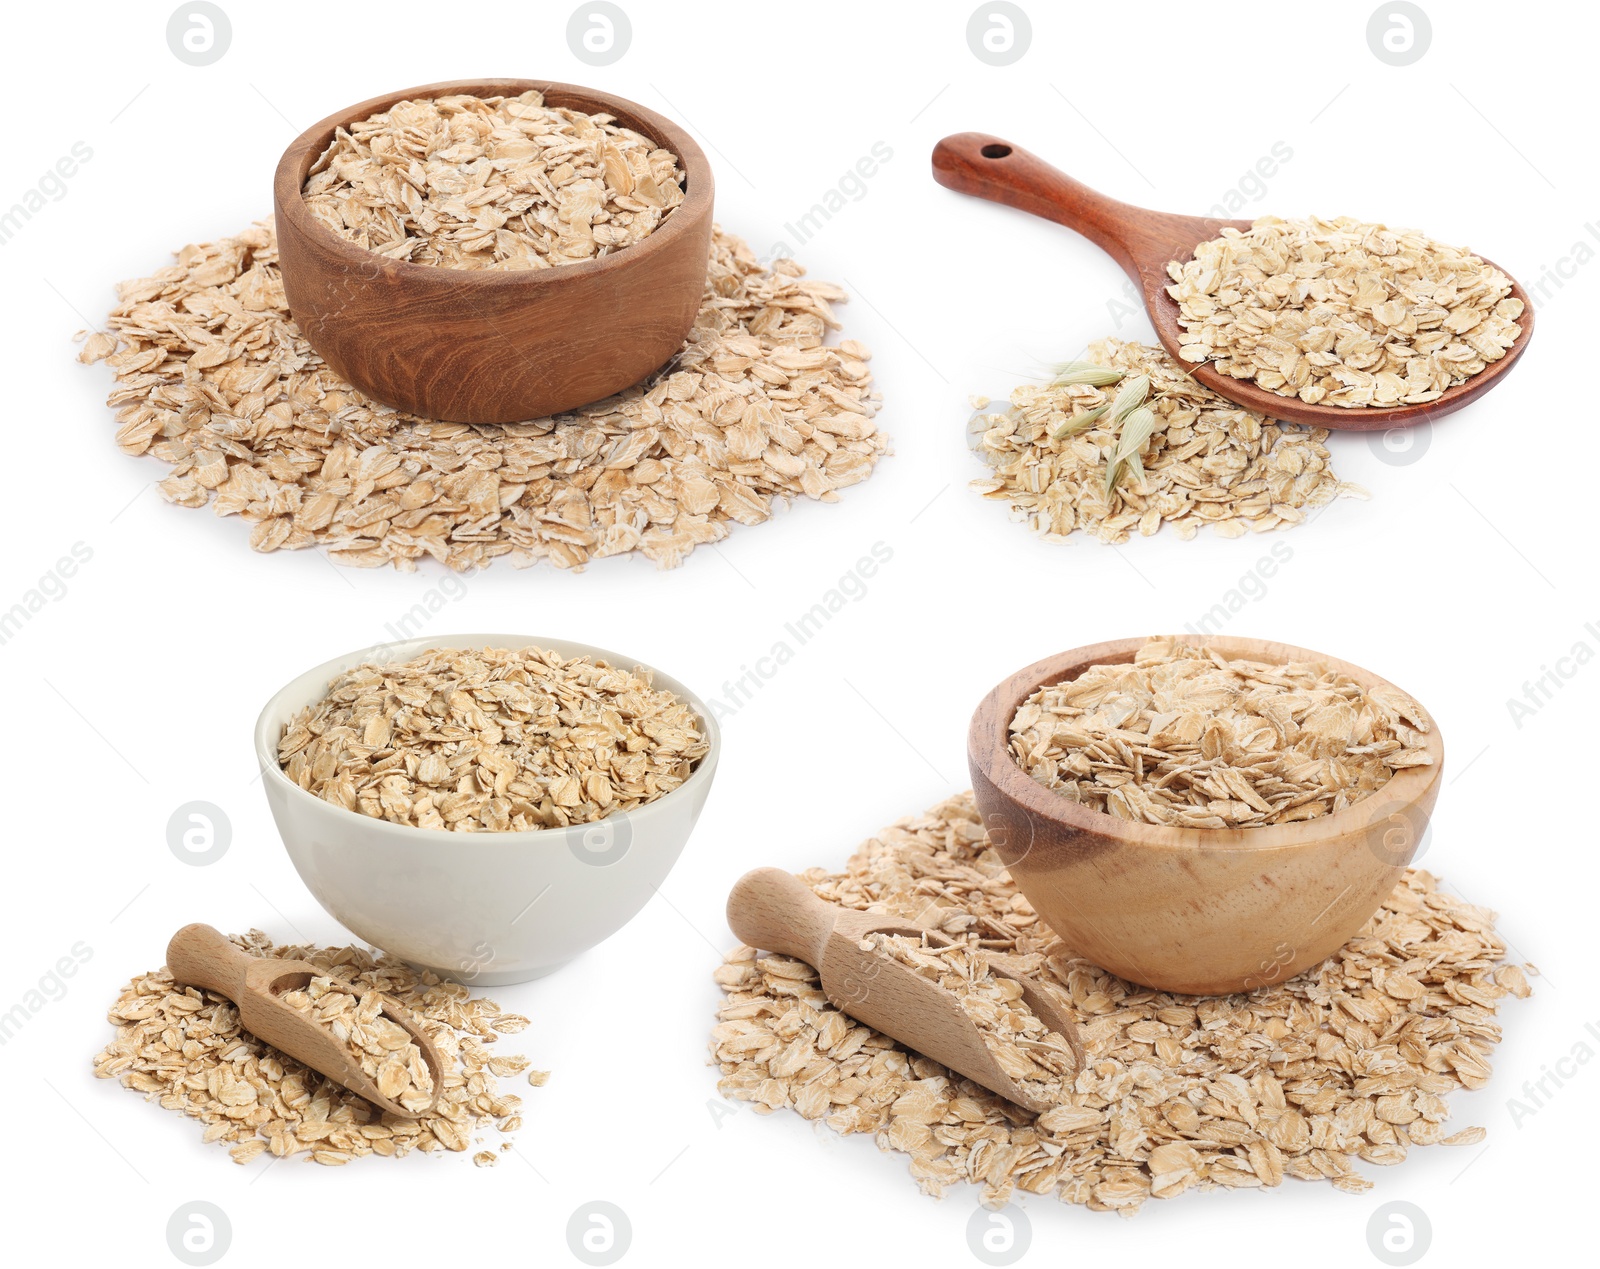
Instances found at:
x=485 y=806
x=494 y=251
x=1332 y=322
x=1203 y=814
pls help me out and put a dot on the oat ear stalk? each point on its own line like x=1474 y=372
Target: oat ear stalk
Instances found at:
x=1136 y=429
x=1073 y=372
x=1079 y=423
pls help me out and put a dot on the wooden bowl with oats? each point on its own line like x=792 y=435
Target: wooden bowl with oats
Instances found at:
x=1197 y=910
x=494 y=344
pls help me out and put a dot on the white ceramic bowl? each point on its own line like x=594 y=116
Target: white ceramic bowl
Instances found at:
x=483 y=908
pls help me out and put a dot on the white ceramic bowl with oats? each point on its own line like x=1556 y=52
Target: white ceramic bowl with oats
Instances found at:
x=481 y=907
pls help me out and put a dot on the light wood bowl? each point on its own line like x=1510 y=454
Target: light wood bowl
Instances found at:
x=1198 y=911
x=486 y=346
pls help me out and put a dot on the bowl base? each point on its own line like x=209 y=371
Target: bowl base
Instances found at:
x=493 y=978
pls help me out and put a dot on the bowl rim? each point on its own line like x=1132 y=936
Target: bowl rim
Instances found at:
x=266 y=744
x=288 y=183
x=989 y=753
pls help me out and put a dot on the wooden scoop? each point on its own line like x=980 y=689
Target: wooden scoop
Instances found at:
x=199 y=956
x=1144 y=241
x=772 y=909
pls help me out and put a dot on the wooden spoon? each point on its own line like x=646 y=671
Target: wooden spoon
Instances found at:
x=199 y=956
x=773 y=909
x=1144 y=241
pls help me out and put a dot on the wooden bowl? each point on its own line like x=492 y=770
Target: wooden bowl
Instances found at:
x=1198 y=911
x=491 y=346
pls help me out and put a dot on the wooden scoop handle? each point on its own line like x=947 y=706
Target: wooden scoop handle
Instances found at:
x=775 y=910
x=200 y=956
x=987 y=167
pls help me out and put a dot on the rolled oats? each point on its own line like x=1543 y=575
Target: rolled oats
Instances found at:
x=1185 y=736
x=1342 y=312
x=1068 y=456
x=185 y=1048
x=1347 y=1063
x=384 y=1050
x=1032 y=1056
x=469 y=182
x=492 y=740
x=215 y=380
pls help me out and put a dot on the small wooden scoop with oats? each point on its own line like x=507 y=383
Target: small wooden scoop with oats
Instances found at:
x=946 y=1000
x=367 y=1043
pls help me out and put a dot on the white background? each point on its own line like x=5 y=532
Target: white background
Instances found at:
x=134 y=693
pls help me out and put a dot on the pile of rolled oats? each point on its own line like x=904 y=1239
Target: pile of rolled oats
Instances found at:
x=492 y=740
x=185 y=1048
x=1068 y=456
x=1342 y=312
x=1185 y=736
x=215 y=380
x=1036 y=1059
x=383 y=1049
x=470 y=182
x=1349 y=1062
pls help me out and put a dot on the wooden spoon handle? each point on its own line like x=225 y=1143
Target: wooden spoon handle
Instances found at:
x=775 y=910
x=987 y=167
x=200 y=956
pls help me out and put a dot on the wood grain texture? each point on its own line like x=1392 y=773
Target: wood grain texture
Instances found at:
x=199 y=956
x=772 y=909
x=1201 y=911
x=1143 y=242
x=490 y=346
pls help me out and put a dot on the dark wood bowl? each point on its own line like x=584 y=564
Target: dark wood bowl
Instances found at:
x=486 y=346
x=1192 y=910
